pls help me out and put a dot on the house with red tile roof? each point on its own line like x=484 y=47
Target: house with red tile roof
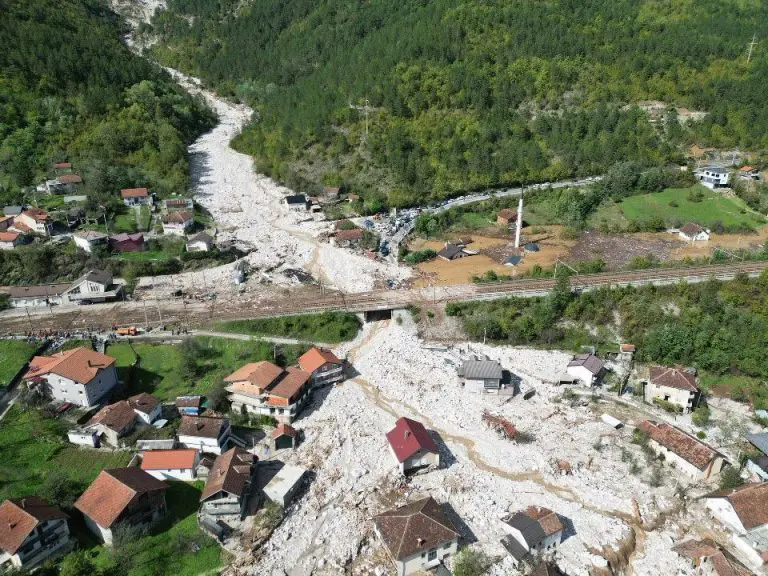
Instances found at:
x=180 y=464
x=688 y=454
x=208 y=434
x=124 y=242
x=323 y=365
x=707 y=557
x=744 y=512
x=136 y=196
x=127 y=496
x=113 y=422
x=283 y=436
x=79 y=376
x=9 y=240
x=676 y=385
x=417 y=536
x=177 y=222
x=31 y=532
x=33 y=220
x=229 y=484
x=534 y=531
x=412 y=446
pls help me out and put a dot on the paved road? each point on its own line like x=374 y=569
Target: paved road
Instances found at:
x=101 y=317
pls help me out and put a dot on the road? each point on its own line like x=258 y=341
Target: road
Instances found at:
x=100 y=317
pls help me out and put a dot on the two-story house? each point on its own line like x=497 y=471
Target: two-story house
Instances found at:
x=118 y=496
x=31 y=531
x=177 y=222
x=533 y=531
x=264 y=388
x=33 y=220
x=412 y=446
x=80 y=376
x=744 y=512
x=229 y=484
x=9 y=240
x=93 y=286
x=136 y=196
x=417 y=536
x=323 y=365
x=676 y=385
x=207 y=434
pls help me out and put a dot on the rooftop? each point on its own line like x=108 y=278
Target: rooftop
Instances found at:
x=750 y=502
x=293 y=381
x=90 y=235
x=117 y=416
x=202 y=426
x=143 y=402
x=673 y=378
x=588 y=361
x=231 y=472
x=481 y=369
x=134 y=193
x=284 y=430
x=684 y=445
x=178 y=217
x=408 y=437
x=316 y=357
x=79 y=364
x=183 y=459
x=19 y=517
x=37 y=291
x=260 y=375
x=534 y=523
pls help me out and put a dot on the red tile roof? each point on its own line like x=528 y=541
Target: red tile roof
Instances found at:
x=750 y=502
x=134 y=192
x=19 y=517
x=62 y=165
x=179 y=217
x=353 y=234
x=315 y=357
x=183 y=459
x=113 y=491
x=284 y=430
x=231 y=473
x=684 y=445
x=79 y=364
x=143 y=402
x=291 y=384
x=673 y=378
x=118 y=416
x=691 y=229
x=202 y=426
x=37 y=214
x=259 y=374
x=408 y=437
x=69 y=179
x=8 y=236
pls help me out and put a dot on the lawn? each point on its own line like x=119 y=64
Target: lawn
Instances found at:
x=76 y=343
x=713 y=207
x=740 y=388
x=143 y=256
x=328 y=327
x=161 y=367
x=176 y=545
x=33 y=446
x=124 y=222
x=13 y=355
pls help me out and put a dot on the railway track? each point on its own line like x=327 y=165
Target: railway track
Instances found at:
x=154 y=313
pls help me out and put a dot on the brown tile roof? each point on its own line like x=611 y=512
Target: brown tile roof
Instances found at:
x=79 y=364
x=284 y=430
x=726 y=567
x=189 y=401
x=696 y=549
x=750 y=502
x=627 y=347
x=37 y=291
x=37 y=214
x=349 y=235
x=201 y=426
x=231 y=473
x=588 y=361
x=315 y=357
x=113 y=491
x=134 y=193
x=21 y=226
x=260 y=374
x=291 y=384
x=118 y=416
x=143 y=402
x=178 y=217
x=8 y=236
x=691 y=229
x=414 y=528
x=19 y=517
x=182 y=459
x=673 y=378
x=69 y=179
x=548 y=520
x=684 y=445
x=62 y=165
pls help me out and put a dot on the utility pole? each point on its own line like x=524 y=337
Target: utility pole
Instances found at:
x=146 y=318
x=31 y=327
x=751 y=47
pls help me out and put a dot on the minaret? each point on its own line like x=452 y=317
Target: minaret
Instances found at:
x=519 y=221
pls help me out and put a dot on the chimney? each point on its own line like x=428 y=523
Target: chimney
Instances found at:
x=420 y=542
x=519 y=221
x=407 y=433
x=23 y=502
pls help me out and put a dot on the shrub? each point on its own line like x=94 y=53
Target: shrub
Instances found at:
x=471 y=562
x=657 y=477
x=701 y=434
x=701 y=416
x=730 y=477
x=695 y=195
x=667 y=406
x=420 y=256
x=673 y=204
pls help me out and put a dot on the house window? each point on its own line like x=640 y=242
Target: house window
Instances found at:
x=432 y=555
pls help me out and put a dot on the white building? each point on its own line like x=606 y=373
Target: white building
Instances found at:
x=9 y=240
x=264 y=388
x=675 y=385
x=199 y=242
x=171 y=464
x=136 y=196
x=207 y=434
x=296 y=203
x=533 y=531
x=586 y=368
x=178 y=222
x=147 y=407
x=691 y=456
x=323 y=365
x=32 y=531
x=93 y=286
x=38 y=295
x=283 y=486
x=714 y=176
x=417 y=536
x=481 y=375
x=744 y=512
x=412 y=446
x=34 y=220
x=87 y=239
x=80 y=376
x=692 y=232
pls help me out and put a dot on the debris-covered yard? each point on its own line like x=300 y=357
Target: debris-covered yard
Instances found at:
x=618 y=506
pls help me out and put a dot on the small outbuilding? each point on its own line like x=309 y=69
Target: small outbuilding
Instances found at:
x=586 y=368
x=412 y=446
x=481 y=375
x=284 y=485
x=284 y=436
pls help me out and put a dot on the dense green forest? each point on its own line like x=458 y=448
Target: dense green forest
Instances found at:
x=71 y=90
x=718 y=327
x=464 y=94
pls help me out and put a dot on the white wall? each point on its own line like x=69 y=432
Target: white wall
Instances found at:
x=724 y=512
x=676 y=396
x=581 y=374
x=209 y=445
x=418 y=562
x=103 y=534
x=174 y=474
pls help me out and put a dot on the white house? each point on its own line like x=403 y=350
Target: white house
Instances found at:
x=80 y=376
x=296 y=202
x=533 y=531
x=229 y=484
x=481 y=375
x=135 y=196
x=93 y=286
x=675 y=385
x=323 y=365
x=9 y=240
x=171 y=464
x=87 y=239
x=690 y=455
x=122 y=496
x=284 y=485
x=38 y=295
x=586 y=368
x=207 y=434
x=692 y=232
x=147 y=407
x=744 y=512
x=113 y=422
x=34 y=220
x=714 y=176
x=417 y=536
x=199 y=242
x=412 y=446
x=31 y=531
x=178 y=222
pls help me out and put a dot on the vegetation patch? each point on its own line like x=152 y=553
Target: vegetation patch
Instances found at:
x=13 y=355
x=328 y=327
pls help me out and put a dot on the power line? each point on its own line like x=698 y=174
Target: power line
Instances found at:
x=751 y=47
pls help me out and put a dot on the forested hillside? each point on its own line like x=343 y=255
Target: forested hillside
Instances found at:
x=70 y=90
x=471 y=93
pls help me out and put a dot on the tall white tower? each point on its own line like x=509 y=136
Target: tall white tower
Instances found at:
x=519 y=221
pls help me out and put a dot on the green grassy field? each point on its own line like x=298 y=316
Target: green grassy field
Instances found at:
x=124 y=222
x=13 y=355
x=33 y=446
x=159 y=370
x=143 y=256
x=731 y=212
x=328 y=327
x=75 y=343
x=175 y=547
